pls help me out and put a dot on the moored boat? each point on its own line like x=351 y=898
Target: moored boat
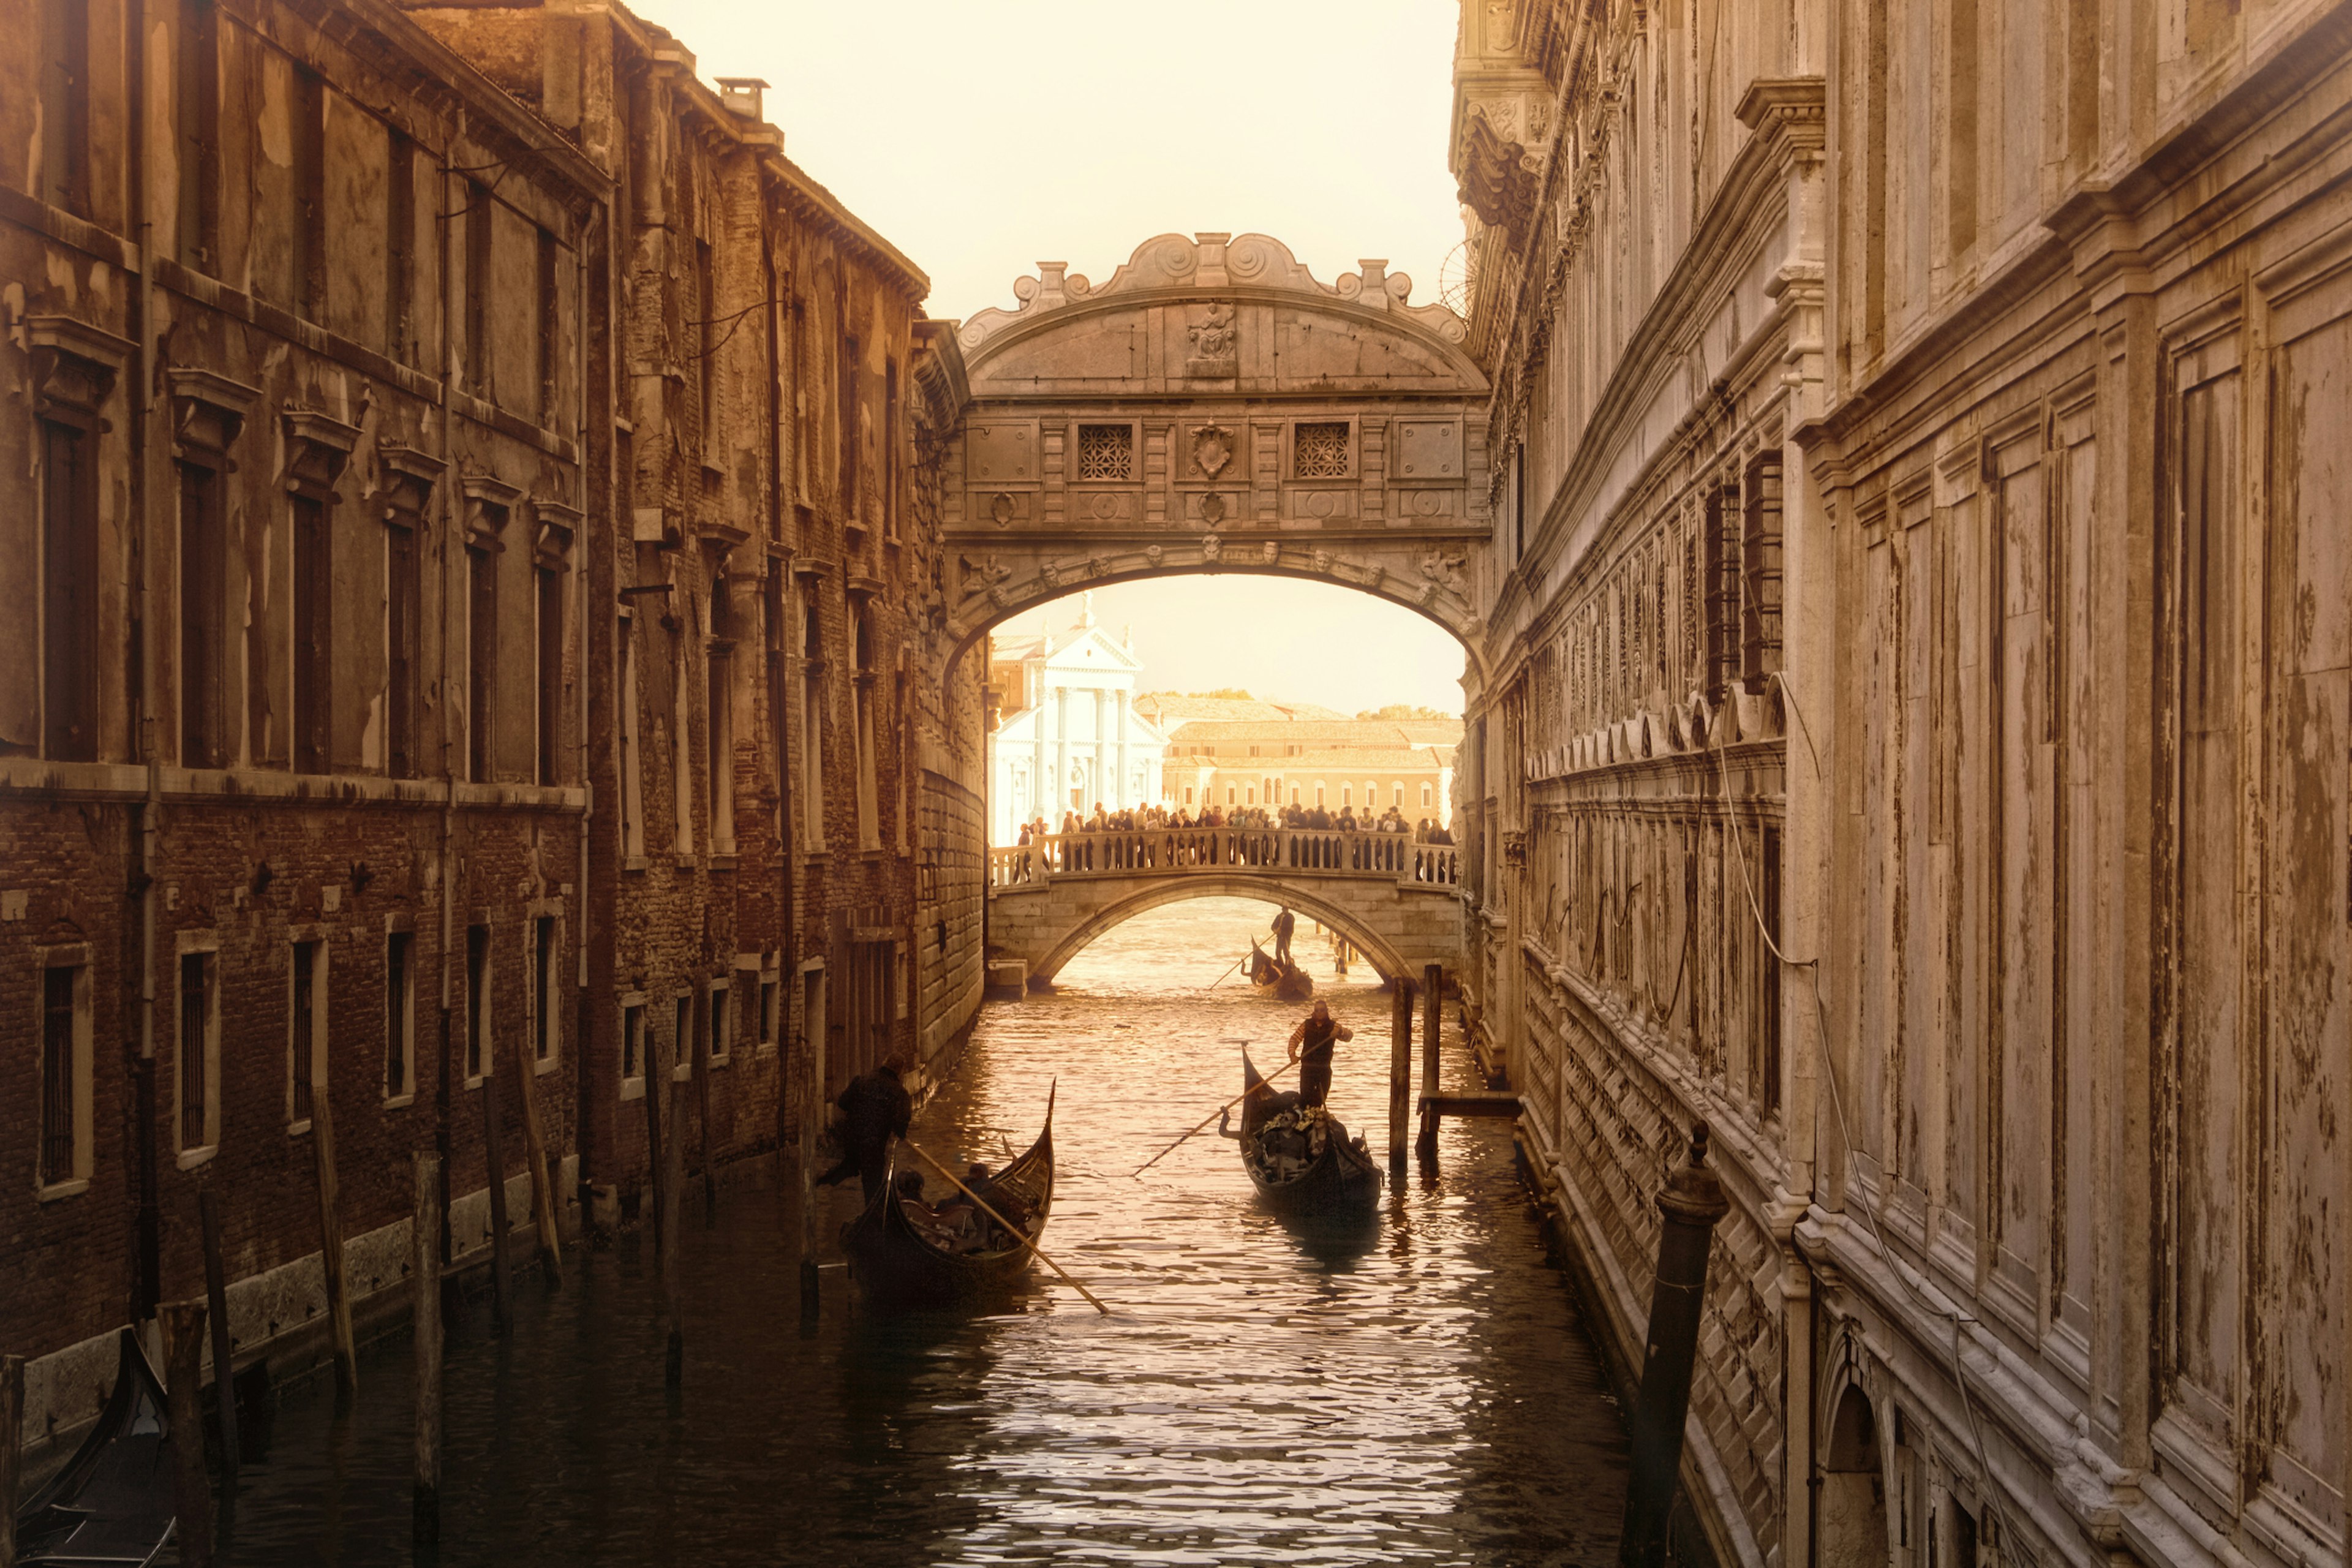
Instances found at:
x=1302 y=1161
x=1286 y=982
x=900 y=1260
x=114 y=1501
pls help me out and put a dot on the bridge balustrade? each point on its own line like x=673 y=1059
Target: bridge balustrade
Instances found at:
x=1175 y=851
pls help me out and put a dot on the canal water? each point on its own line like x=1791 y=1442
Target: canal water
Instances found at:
x=1420 y=1392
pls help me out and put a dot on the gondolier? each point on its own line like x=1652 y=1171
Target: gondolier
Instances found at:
x=874 y=1109
x=1285 y=923
x=1310 y=1047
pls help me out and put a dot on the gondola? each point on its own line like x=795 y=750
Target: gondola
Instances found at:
x=1284 y=981
x=895 y=1263
x=1340 y=1178
x=114 y=1501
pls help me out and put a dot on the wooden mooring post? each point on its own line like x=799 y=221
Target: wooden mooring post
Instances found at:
x=424 y=1269
x=344 y=1346
x=493 y=1159
x=183 y=1363
x=224 y=1351
x=1400 y=1067
x=669 y=1173
x=1689 y=1206
x=542 y=1181
x=12 y=1429
x=1432 y=981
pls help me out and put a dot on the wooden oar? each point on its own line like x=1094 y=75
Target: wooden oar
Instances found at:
x=1228 y=1105
x=1028 y=1243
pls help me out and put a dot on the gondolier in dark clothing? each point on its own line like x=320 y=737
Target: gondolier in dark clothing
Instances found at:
x=1285 y=923
x=874 y=1109
x=1310 y=1047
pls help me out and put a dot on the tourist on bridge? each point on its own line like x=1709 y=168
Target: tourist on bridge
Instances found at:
x=1285 y=923
x=1310 y=1047
x=874 y=1109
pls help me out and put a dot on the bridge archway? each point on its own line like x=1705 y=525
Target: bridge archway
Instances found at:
x=1383 y=954
x=1214 y=407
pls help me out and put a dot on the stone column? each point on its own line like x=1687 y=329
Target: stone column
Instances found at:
x=1120 y=702
x=1102 y=756
x=1061 y=756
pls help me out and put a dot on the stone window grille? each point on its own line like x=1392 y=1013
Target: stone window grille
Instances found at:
x=1319 y=450
x=1761 y=572
x=1107 y=452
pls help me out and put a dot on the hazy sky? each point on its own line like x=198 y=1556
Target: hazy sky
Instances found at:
x=981 y=138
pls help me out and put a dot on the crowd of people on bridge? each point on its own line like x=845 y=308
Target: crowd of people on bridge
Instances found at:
x=1154 y=837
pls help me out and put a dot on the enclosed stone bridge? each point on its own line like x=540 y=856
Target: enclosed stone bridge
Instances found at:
x=1397 y=902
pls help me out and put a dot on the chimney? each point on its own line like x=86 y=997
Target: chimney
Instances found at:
x=741 y=94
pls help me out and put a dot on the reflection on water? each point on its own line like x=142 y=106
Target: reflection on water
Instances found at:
x=1417 y=1391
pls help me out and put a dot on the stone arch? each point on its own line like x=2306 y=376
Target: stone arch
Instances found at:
x=1383 y=954
x=1853 y=1528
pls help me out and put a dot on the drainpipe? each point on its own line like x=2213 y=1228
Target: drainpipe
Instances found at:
x=141 y=396
x=583 y=1031
x=448 y=746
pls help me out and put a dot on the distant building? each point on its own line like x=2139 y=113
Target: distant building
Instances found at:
x=1069 y=735
x=1330 y=762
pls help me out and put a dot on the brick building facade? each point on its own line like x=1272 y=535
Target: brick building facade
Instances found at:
x=480 y=565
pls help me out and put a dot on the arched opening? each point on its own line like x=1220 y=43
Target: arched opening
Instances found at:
x=1853 y=1532
x=1386 y=959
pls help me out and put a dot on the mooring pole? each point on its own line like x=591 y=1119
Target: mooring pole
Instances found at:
x=425 y=1252
x=224 y=1357
x=1689 y=1206
x=495 y=1159
x=184 y=1353
x=1434 y=984
x=12 y=1423
x=1400 y=1067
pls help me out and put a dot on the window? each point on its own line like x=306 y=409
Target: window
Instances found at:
x=1719 y=575
x=1371 y=793
x=204 y=593
x=399 y=1015
x=546 y=1023
x=69 y=592
x=1759 y=560
x=1396 y=795
x=548 y=327
x=846 y=479
x=719 y=720
x=402 y=598
x=1252 y=793
x=478 y=1053
x=65 y=104
x=313 y=634
x=685 y=1038
x=1293 y=795
x=399 y=246
x=481 y=659
x=1318 y=793
x=1107 y=452
x=1319 y=450
x=681 y=766
x=305 y=1032
x=199 y=1052
x=1229 y=794
x=633 y=1043
x=869 y=834
x=767 y=1015
x=890 y=449
x=631 y=759
x=479 y=223
x=548 y=673
x=1188 y=794
x=811 y=780
x=720 y=1034
x=309 y=117
x=64 y=1074
x=196 y=104
x=1428 y=797
x=1347 y=794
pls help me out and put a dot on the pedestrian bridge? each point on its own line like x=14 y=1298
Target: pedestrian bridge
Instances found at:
x=1397 y=902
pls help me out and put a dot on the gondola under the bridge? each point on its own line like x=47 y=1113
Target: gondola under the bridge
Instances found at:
x=1303 y=1161
x=898 y=1261
x=1283 y=980
x=114 y=1501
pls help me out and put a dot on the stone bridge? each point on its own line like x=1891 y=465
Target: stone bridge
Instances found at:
x=1396 y=901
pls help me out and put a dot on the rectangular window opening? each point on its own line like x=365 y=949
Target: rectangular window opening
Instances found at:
x=314 y=589
x=399 y=1015
x=544 y=1023
x=1107 y=453
x=65 y=1070
x=202 y=610
x=1318 y=450
x=548 y=674
x=69 y=593
x=303 y=1030
x=477 y=1003
x=196 y=1051
x=633 y=1041
x=481 y=661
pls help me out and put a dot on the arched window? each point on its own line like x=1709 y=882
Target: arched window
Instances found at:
x=1347 y=793
x=1427 y=794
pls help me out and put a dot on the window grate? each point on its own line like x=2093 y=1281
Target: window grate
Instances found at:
x=1106 y=452
x=1319 y=451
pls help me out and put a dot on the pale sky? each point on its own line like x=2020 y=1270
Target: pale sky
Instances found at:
x=1273 y=638
x=981 y=137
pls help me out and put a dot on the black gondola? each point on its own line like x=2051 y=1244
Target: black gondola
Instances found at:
x=896 y=1263
x=1285 y=980
x=1341 y=1178
x=114 y=1502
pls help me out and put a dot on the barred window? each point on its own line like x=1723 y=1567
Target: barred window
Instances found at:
x=1319 y=451
x=1106 y=452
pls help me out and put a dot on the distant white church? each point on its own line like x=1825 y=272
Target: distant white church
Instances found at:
x=1067 y=735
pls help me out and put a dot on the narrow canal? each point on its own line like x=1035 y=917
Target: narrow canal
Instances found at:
x=1424 y=1394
